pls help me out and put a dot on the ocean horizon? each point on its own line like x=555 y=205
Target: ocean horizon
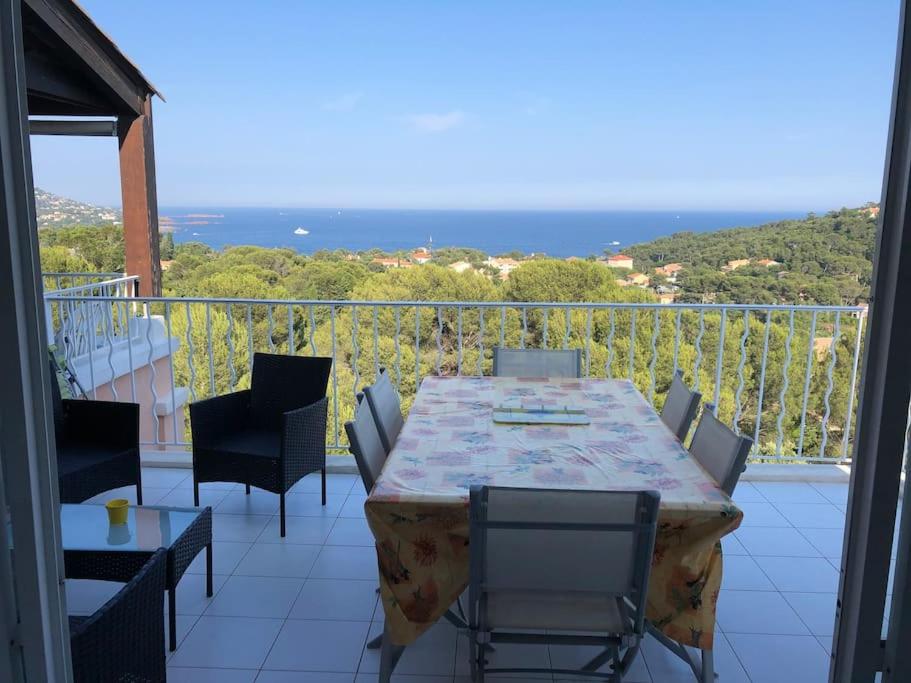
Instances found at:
x=555 y=233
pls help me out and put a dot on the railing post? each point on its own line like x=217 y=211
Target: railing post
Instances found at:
x=719 y=359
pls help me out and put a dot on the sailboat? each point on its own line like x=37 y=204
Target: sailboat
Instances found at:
x=301 y=231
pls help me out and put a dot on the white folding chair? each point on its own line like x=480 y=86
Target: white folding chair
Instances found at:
x=365 y=444
x=719 y=450
x=537 y=362
x=561 y=567
x=386 y=408
x=680 y=406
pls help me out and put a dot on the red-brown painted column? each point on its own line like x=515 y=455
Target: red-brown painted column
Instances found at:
x=140 y=199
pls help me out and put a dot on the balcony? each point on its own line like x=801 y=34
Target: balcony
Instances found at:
x=304 y=607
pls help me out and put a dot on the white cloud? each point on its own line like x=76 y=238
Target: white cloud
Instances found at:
x=345 y=102
x=437 y=123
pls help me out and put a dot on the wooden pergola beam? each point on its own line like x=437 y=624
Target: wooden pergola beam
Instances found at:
x=140 y=199
x=105 y=64
x=104 y=129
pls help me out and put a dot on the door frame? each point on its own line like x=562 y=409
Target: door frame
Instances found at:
x=32 y=596
x=858 y=650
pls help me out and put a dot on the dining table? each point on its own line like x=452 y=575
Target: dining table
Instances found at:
x=418 y=509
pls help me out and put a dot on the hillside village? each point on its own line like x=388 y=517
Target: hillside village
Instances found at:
x=661 y=280
x=56 y=211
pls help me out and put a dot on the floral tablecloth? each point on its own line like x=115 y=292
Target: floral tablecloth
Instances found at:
x=418 y=509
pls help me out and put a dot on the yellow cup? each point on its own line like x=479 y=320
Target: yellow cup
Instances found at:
x=117 y=510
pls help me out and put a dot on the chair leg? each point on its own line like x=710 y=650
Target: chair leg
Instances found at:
x=477 y=653
x=172 y=619
x=389 y=657
x=138 y=483
x=195 y=493
x=281 y=513
x=323 y=474
x=248 y=489
x=209 y=570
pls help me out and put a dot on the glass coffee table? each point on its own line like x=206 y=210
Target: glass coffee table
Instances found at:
x=95 y=549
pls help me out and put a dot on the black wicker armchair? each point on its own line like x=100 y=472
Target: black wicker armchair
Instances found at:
x=124 y=640
x=269 y=436
x=97 y=446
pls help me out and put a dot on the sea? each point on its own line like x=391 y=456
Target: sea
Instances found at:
x=555 y=233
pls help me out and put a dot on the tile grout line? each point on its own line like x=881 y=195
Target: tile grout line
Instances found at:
x=780 y=592
x=737 y=657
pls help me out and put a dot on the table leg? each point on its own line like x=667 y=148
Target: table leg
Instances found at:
x=389 y=657
x=172 y=619
x=209 y=570
x=708 y=667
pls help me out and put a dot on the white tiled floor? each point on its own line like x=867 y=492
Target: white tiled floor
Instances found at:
x=302 y=608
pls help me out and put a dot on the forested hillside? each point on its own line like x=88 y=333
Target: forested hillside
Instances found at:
x=822 y=259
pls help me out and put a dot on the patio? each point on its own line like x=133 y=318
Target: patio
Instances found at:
x=298 y=608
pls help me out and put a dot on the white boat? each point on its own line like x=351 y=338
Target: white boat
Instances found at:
x=615 y=243
x=301 y=231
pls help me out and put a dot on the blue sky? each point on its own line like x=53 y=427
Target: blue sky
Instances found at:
x=604 y=104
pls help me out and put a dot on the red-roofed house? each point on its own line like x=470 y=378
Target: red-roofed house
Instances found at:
x=620 y=261
x=421 y=256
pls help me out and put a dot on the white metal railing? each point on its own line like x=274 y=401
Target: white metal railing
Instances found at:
x=784 y=375
x=80 y=319
x=54 y=281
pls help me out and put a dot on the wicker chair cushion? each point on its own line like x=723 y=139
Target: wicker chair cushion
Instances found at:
x=259 y=442
x=74 y=457
x=283 y=383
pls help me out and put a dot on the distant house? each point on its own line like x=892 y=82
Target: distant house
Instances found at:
x=504 y=265
x=638 y=279
x=767 y=262
x=620 y=261
x=460 y=266
x=872 y=211
x=735 y=264
x=387 y=262
x=666 y=298
x=421 y=256
x=669 y=271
